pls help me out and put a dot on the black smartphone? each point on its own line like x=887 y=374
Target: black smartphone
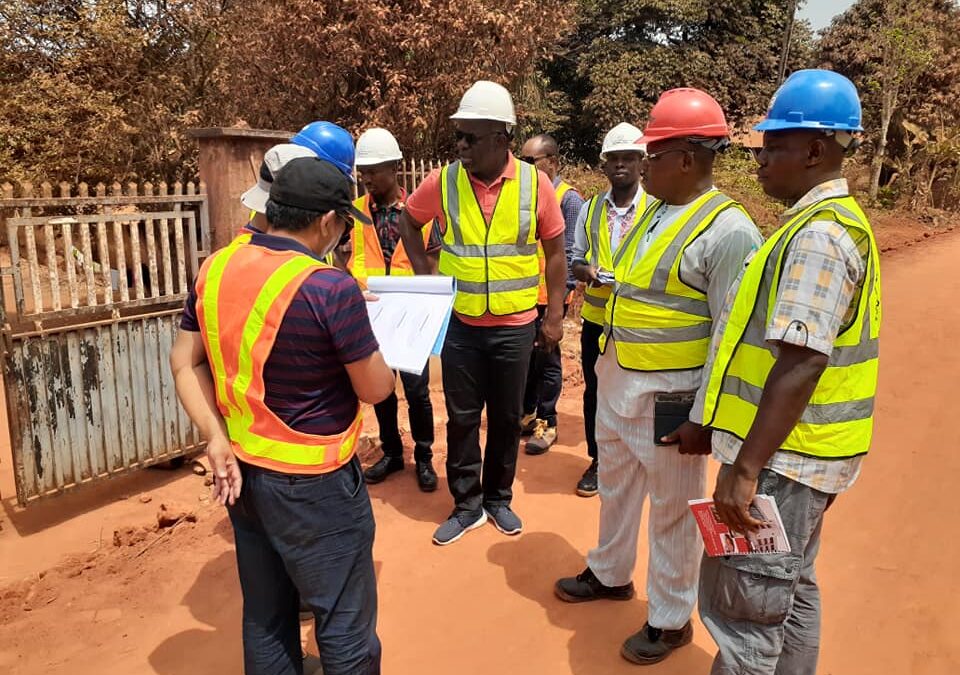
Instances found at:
x=669 y=412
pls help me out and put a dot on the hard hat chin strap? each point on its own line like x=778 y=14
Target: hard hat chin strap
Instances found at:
x=848 y=141
x=715 y=144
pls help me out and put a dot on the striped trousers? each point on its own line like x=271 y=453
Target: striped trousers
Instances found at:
x=631 y=467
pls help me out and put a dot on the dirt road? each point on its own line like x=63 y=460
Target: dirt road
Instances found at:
x=485 y=605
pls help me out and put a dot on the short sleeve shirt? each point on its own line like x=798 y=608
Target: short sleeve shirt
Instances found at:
x=424 y=205
x=326 y=327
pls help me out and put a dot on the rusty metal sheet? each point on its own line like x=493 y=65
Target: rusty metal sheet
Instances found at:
x=94 y=403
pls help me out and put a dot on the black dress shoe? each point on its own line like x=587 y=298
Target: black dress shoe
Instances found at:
x=586 y=587
x=426 y=476
x=379 y=471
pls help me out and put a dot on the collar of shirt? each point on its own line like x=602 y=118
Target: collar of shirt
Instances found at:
x=831 y=188
x=509 y=173
x=280 y=243
x=608 y=197
x=397 y=205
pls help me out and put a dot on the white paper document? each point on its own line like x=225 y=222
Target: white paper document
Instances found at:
x=410 y=318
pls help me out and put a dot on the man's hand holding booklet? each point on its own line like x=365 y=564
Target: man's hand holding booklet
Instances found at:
x=719 y=540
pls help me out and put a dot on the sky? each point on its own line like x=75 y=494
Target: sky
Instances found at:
x=820 y=12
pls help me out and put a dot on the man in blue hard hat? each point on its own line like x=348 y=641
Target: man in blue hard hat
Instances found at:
x=791 y=379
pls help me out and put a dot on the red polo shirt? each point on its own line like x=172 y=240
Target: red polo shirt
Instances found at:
x=425 y=204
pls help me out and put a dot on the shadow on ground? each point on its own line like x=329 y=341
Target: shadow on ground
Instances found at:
x=534 y=561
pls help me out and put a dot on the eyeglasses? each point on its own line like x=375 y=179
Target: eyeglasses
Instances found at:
x=654 y=156
x=473 y=139
x=347 y=221
x=530 y=159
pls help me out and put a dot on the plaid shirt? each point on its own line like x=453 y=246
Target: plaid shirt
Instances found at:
x=823 y=271
x=386 y=221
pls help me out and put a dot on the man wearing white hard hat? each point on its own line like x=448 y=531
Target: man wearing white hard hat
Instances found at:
x=376 y=250
x=603 y=223
x=671 y=272
x=493 y=210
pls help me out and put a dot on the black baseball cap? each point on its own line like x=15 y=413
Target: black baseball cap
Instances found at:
x=314 y=184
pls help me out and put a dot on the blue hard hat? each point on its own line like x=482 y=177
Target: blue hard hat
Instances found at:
x=331 y=142
x=814 y=99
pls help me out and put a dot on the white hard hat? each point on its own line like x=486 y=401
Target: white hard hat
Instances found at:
x=376 y=146
x=486 y=100
x=273 y=160
x=622 y=138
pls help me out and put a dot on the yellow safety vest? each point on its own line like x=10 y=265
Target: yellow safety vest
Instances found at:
x=838 y=421
x=657 y=321
x=495 y=264
x=599 y=254
x=542 y=297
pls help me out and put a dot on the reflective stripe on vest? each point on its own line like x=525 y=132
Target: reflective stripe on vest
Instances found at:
x=542 y=297
x=838 y=421
x=599 y=254
x=367 y=259
x=243 y=292
x=657 y=321
x=495 y=264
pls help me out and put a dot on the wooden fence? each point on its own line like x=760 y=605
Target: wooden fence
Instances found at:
x=102 y=248
x=413 y=171
x=92 y=284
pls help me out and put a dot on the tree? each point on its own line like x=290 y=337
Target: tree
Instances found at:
x=102 y=89
x=905 y=60
x=401 y=65
x=624 y=54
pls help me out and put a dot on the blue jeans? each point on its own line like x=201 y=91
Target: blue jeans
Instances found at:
x=307 y=539
x=544 y=379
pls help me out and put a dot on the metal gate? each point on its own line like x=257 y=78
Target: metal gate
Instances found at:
x=92 y=289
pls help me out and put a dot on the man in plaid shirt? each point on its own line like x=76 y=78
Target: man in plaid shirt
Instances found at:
x=792 y=374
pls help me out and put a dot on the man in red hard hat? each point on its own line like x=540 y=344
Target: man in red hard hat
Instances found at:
x=671 y=275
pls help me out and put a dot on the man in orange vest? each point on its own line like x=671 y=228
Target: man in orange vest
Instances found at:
x=545 y=378
x=375 y=249
x=274 y=354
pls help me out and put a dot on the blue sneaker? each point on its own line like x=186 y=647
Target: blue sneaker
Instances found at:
x=458 y=525
x=505 y=519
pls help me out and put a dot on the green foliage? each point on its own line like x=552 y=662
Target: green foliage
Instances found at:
x=904 y=58
x=625 y=54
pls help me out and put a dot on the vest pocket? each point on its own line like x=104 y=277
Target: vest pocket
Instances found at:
x=756 y=589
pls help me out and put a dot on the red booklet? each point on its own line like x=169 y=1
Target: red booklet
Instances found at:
x=719 y=540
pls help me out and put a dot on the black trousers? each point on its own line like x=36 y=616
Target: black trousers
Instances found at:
x=417 y=390
x=589 y=353
x=544 y=379
x=484 y=366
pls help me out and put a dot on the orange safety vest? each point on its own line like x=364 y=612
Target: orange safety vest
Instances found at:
x=366 y=256
x=243 y=292
x=542 y=297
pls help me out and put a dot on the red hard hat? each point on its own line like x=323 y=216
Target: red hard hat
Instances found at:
x=685 y=112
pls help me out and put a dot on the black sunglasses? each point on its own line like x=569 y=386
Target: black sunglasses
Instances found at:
x=530 y=159
x=473 y=139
